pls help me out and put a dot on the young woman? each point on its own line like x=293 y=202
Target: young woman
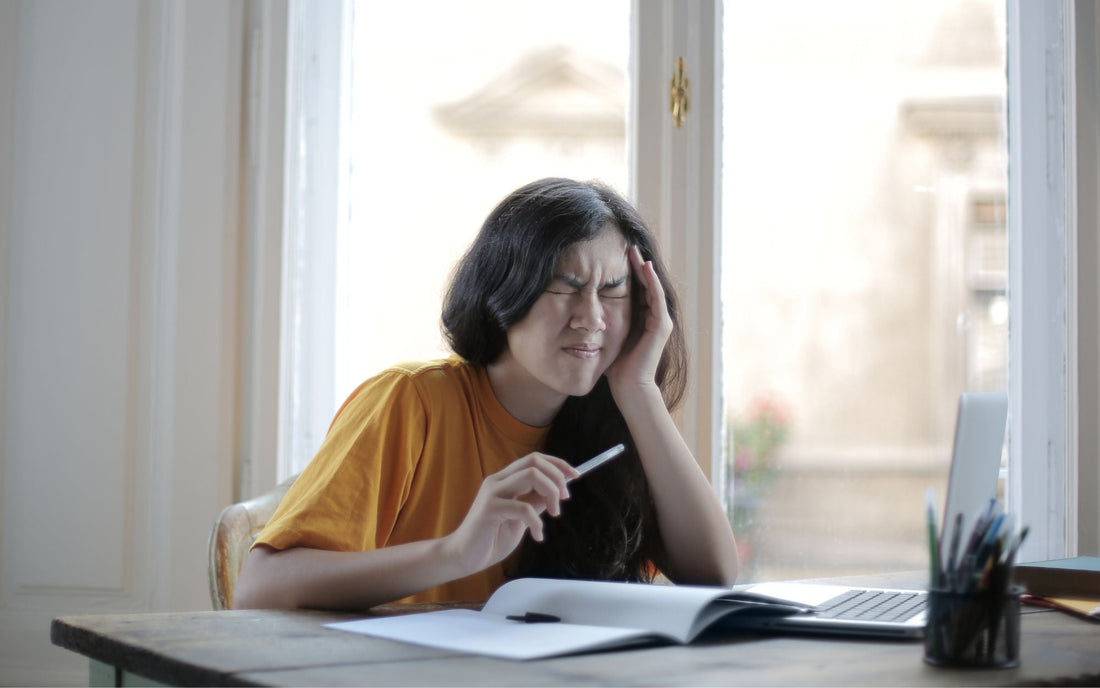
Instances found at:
x=440 y=480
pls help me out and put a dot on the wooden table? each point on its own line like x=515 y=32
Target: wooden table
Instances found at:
x=292 y=648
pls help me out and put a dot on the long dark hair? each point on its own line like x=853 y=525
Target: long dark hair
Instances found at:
x=608 y=528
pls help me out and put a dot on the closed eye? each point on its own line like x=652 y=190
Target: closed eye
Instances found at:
x=618 y=289
x=562 y=289
x=565 y=284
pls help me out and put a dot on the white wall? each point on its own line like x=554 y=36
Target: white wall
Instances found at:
x=120 y=285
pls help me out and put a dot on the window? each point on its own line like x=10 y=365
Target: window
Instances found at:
x=864 y=269
x=670 y=179
x=428 y=125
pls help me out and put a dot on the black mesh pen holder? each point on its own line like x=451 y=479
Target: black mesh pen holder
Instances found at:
x=973 y=629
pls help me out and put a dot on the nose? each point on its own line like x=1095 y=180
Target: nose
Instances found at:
x=588 y=313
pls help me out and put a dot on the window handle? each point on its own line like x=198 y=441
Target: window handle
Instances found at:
x=680 y=93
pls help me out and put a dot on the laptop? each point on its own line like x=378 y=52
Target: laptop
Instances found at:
x=894 y=613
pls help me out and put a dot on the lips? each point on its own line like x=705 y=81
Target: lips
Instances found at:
x=585 y=351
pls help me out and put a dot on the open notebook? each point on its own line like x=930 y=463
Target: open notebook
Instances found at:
x=975 y=464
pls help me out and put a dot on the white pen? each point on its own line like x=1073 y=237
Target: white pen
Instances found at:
x=600 y=459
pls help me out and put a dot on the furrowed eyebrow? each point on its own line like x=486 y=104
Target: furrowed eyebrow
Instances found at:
x=570 y=280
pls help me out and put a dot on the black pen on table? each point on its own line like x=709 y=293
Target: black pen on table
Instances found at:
x=534 y=617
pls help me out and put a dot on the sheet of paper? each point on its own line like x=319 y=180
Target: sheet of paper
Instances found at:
x=463 y=630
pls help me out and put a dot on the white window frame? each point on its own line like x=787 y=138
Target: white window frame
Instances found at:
x=315 y=181
x=1043 y=296
x=263 y=216
x=676 y=183
x=287 y=385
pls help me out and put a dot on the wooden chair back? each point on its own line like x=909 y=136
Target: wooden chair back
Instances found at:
x=233 y=533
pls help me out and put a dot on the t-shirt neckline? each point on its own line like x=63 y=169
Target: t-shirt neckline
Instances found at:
x=499 y=416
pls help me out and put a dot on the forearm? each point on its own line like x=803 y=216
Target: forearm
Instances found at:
x=508 y=505
x=695 y=531
x=322 y=579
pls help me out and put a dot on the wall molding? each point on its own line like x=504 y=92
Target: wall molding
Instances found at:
x=161 y=159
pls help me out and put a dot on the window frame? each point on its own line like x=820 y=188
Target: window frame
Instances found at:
x=676 y=184
x=1044 y=301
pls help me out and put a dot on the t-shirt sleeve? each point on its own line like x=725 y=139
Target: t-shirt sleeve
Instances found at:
x=351 y=494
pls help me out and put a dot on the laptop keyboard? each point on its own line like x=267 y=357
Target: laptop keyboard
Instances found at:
x=872 y=605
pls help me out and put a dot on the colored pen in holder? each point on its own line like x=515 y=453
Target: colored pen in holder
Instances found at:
x=973 y=612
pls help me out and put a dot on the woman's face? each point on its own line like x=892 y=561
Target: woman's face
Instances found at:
x=577 y=326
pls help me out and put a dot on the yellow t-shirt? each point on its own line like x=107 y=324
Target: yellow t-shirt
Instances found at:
x=402 y=462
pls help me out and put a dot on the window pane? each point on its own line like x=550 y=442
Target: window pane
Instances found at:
x=863 y=269
x=447 y=116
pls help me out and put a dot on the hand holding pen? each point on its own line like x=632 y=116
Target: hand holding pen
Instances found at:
x=510 y=504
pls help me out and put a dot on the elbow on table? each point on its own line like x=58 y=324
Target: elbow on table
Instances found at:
x=724 y=574
x=245 y=596
x=255 y=588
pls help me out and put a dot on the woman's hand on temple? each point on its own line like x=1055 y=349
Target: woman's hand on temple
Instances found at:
x=509 y=503
x=637 y=362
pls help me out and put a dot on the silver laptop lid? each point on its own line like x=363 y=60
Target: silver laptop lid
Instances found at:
x=975 y=460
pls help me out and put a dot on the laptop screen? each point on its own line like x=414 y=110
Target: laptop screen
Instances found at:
x=976 y=459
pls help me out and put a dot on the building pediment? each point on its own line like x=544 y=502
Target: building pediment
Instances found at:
x=550 y=93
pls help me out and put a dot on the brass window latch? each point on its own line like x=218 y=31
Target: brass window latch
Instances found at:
x=680 y=94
